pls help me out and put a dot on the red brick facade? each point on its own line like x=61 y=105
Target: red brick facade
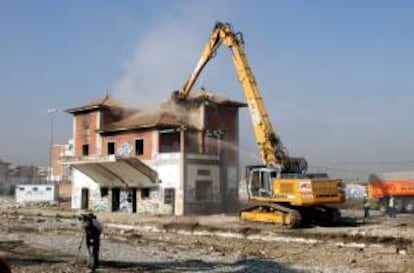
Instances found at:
x=225 y=120
x=130 y=138
x=86 y=132
x=220 y=126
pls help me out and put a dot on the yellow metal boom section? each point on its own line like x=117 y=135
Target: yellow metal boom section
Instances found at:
x=271 y=149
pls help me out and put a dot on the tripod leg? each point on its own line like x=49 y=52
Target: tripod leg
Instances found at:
x=91 y=260
x=79 y=248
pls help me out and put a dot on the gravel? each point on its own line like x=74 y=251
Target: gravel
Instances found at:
x=51 y=244
x=158 y=257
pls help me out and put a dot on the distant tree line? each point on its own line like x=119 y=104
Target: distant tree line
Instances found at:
x=12 y=175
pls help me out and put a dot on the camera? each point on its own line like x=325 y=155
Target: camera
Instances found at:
x=86 y=217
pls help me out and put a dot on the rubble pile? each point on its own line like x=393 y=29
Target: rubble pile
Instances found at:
x=9 y=203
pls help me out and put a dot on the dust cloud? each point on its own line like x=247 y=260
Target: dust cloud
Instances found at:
x=165 y=54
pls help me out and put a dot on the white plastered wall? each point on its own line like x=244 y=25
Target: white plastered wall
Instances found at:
x=36 y=193
x=80 y=180
x=168 y=168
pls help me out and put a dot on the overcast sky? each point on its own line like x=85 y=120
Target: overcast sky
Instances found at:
x=335 y=76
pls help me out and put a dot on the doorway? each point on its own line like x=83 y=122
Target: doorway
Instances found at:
x=84 y=198
x=169 y=198
x=115 y=199
x=134 y=200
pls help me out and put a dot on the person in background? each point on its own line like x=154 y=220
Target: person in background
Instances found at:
x=367 y=206
x=391 y=207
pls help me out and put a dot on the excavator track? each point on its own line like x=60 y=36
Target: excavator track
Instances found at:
x=291 y=217
x=326 y=216
x=272 y=213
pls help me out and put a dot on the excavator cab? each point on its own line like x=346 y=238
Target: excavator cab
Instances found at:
x=259 y=180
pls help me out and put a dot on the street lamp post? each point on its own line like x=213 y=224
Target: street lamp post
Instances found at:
x=50 y=113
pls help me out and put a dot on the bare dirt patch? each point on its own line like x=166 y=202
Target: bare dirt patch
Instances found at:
x=47 y=241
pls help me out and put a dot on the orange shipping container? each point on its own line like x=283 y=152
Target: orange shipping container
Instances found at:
x=398 y=184
x=380 y=189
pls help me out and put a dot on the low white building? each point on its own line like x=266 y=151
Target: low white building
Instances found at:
x=36 y=193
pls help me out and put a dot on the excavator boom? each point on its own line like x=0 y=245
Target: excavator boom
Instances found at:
x=272 y=151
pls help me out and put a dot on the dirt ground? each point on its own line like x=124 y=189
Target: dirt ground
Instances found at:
x=47 y=240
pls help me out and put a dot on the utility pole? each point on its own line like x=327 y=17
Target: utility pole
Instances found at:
x=51 y=112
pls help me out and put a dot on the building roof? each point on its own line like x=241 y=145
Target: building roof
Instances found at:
x=171 y=113
x=115 y=171
x=143 y=120
x=100 y=103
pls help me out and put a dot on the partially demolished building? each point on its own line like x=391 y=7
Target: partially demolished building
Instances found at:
x=180 y=158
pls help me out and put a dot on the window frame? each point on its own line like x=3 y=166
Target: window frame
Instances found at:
x=147 y=195
x=170 y=196
x=143 y=146
x=104 y=191
x=204 y=172
x=114 y=147
x=170 y=146
x=85 y=146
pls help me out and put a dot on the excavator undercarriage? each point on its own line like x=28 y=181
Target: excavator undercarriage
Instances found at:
x=291 y=217
x=272 y=213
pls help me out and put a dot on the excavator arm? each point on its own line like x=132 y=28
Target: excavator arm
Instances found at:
x=288 y=199
x=272 y=151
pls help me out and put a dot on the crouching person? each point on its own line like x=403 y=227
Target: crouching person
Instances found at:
x=93 y=229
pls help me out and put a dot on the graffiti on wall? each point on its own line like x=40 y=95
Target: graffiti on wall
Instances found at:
x=154 y=204
x=355 y=191
x=124 y=204
x=101 y=205
x=125 y=149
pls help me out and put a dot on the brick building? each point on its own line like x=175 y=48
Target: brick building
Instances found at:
x=60 y=172
x=179 y=158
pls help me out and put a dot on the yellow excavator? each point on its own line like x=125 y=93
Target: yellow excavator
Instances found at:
x=280 y=191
